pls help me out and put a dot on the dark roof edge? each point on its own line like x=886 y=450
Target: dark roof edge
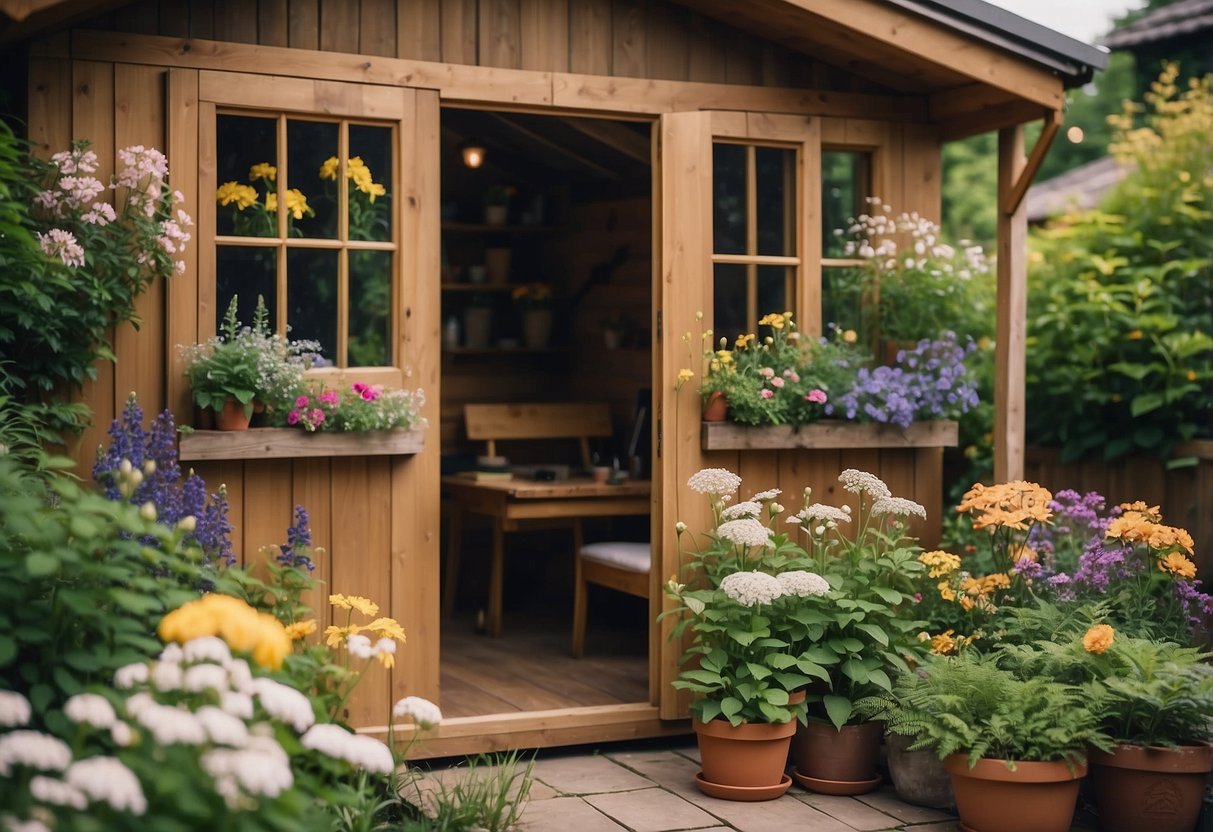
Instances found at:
x=1074 y=61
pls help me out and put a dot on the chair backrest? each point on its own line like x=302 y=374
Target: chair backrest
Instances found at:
x=561 y=420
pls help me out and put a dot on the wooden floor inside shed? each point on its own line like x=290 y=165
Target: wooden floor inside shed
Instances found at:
x=529 y=667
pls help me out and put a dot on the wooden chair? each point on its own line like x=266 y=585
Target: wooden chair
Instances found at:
x=618 y=565
x=493 y=423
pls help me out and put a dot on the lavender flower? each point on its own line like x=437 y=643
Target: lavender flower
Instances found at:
x=297 y=550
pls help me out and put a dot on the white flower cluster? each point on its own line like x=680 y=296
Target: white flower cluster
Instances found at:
x=749 y=508
x=750 y=588
x=91 y=709
x=803 y=584
x=358 y=750
x=822 y=513
x=422 y=711
x=857 y=481
x=769 y=494
x=361 y=647
x=14 y=709
x=876 y=234
x=107 y=780
x=745 y=532
x=263 y=770
x=33 y=749
x=714 y=481
x=900 y=506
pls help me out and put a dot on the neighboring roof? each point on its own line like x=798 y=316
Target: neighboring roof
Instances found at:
x=1186 y=17
x=1081 y=188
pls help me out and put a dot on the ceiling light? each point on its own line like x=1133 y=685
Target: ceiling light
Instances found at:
x=473 y=154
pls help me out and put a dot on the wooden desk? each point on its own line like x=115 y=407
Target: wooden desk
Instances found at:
x=512 y=503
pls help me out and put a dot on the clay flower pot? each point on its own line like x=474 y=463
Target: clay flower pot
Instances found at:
x=1150 y=788
x=747 y=756
x=990 y=797
x=716 y=408
x=232 y=416
x=918 y=776
x=833 y=761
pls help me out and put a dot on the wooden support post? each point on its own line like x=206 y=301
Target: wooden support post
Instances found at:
x=1020 y=187
x=1011 y=324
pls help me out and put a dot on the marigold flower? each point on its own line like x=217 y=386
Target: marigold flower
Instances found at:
x=1178 y=565
x=1098 y=638
x=300 y=629
x=1012 y=505
x=939 y=563
x=943 y=644
x=242 y=196
x=263 y=170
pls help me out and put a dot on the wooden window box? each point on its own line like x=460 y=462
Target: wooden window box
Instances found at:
x=828 y=434
x=286 y=443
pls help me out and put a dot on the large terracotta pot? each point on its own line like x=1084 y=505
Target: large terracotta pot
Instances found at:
x=918 y=776
x=716 y=408
x=1150 y=788
x=833 y=761
x=746 y=755
x=991 y=797
x=232 y=416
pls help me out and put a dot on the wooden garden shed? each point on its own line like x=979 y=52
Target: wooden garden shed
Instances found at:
x=659 y=159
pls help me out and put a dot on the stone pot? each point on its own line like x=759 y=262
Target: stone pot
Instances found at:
x=918 y=776
x=1150 y=788
x=991 y=797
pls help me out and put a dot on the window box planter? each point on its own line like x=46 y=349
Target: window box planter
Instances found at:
x=289 y=443
x=828 y=434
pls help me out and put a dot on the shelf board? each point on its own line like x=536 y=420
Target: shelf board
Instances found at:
x=288 y=443
x=485 y=228
x=480 y=287
x=828 y=434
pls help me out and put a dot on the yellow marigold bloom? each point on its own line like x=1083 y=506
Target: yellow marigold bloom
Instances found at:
x=773 y=320
x=1178 y=565
x=1136 y=335
x=744 y=340
x=335 y=636
x=939 y=563
x=328 y=169
x=725 y=356
x=242 y=196
x=263 y=170
x=273 y=644
x=967 y=603
x=1098 y=638
x=1012 y=505
x=296 y=203
x=243 y=628
x=187 y=622
x=946 y=591
x=1138 y=527
x=300 y=629
x=943 y=644
x=386 y=628
x=1154 y=513
x=354 y=602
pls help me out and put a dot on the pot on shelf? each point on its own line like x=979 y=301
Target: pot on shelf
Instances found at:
x=496 y=214
x=745 y=760
x=1150 y=788
x=991 y=797
x=833 y=761
x=477 y=327
x=716 y=408
x=497 y=265
x=918 y=776
x=536 y=328
x=232 y=416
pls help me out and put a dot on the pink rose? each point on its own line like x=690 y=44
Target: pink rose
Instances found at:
x=302 y=401
x=816 y=396
x=777 y=383
x=767 y=393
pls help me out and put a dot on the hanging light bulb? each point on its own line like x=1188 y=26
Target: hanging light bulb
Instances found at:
x=473 y=154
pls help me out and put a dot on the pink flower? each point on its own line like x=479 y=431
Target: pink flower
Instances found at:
x=792 y=376
x=767 y=393
x=302 y=401
x=317 y=417
x=329 y=397
x=292 y=418
x=62 y=244
x=368 y=392
x=766 y=372
x=777 y=382
x=816 y=396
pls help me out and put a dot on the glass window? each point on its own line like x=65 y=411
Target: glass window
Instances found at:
x=305 y=218
x=845 y=184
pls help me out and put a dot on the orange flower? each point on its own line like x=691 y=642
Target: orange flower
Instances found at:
x=1178 y=565
x=1012 y=505
x=1098 y=638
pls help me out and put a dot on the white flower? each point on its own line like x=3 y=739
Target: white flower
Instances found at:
x=385 y=645
x=166 y=676
x=33 y=750
x=91 y=709
x=14 y=709
x=107 y=780
x=746 y=509
x=130 y=675
x=422 y=711
x=357 y=750
x=171 y=653
x=716 y=481
x=745 y=532
x=769 y=494
x=802 y=584
x=241 y=676
x=750 y=588
x=222 y=727
x=138 y=703
x=121 y=734
x=794 y=519
x=821 y=511
x=900 y=506
x=284 y=703
x=255 y=771
x=169 y=725
x=360 y=646
x=207 y=649
x=855 y=481
x=237 y=704
x=57 y=793
x=11 y=824
x=205 y=676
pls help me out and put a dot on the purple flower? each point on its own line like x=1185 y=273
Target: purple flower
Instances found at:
x=297 y=550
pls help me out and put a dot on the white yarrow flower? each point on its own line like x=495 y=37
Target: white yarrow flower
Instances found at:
x=241 y=676
x=794 y=519
x=11 y=824
x=855 y=481
x=237 y=704
x=749 y=508
x=222 y=727
x=745 y=532
x=33 y=750
x=121 y=734
x=803 y=584
x=14 y=709
x=90 y=708
x=166 y=676
x=284 y=703
x=900 y=506
x=171 y=653
x=169 y=725
x=107 y=780
x=207 y=649
x=130 y=675
x=717 y=481
x=253 y=771
x=769 y=494
x=139 y=702
x=750 y=588
x=357 y=750
x=422 y=711
x=57 y=793
x=821 y=511
x=202 y=677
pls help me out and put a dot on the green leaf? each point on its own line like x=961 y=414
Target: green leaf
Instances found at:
x=742 y=637
x=730 y=706
x=875 y=632
x=880 y=679
x=776 y=696
x=693 y=604
x=40 y=564
x=8 y=650
x=889 y=594
x=709 y=709
x=838 y=709
x=821 y=655
x=1145 y=402
x=855 y=670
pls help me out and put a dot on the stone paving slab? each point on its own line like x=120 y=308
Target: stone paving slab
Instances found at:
x=854 y=813
x=587 y=774
x=565 y=814
x=652 y=810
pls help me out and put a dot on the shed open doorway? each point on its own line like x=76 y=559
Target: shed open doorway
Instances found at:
x=547 y=230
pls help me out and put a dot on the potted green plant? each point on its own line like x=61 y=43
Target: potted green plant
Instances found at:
x=478 y=320
x=535 y=302
x=1015 y=747
x=749 y=586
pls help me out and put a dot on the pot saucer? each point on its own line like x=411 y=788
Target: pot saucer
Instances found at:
x=837 y=787
x=749 y=793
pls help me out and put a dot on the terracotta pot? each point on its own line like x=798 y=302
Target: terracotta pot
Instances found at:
x=992 y=798
x=1150 y=788
x=822 y=752
x=918 y=776
x=232 y=416
x=497 y=265
x=536 y=328
x=716 y=408
x=748 y=755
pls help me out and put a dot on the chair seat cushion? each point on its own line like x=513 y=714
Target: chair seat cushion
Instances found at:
x=634 y=557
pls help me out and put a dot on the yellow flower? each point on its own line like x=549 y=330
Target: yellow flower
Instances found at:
x=946 y=592
x=233 y=192
x=1177 y=564
x=725 y=356
x=328 y=170
x=850 y=336
x=273 y=644
x=335 y=636
x=1191 y=375
x=300 y=629
x=386 y=628
x=943 y=644
x=685 y=375
x=939 y=563
x=1098 y=638
x=1012 y=505
x=773 y=320
x=243 y=628
x=355 y=602
x=1136 y=335
x=296 y=203
x=263 y=170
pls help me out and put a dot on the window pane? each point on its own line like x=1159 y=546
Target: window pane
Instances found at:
x=246 y=272
x=730 y=317
x=311 y=294
x=841 y=298
x=845 y=183
x=311 y=152
x=776 y=190
x=246 y=168
x=728 y=198
x=370 y=308
x=370 y=183
x=774 y=289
